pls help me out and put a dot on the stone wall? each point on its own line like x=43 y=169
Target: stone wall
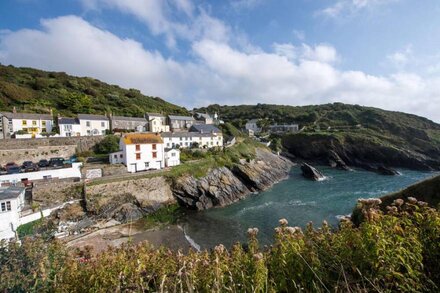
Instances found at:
x=56 y=191
x=20 y=150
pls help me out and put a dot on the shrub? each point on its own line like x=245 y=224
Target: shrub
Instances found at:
x=108 y=145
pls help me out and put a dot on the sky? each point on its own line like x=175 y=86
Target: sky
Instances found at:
x=381 y=53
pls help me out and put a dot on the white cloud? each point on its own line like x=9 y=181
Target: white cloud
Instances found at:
x=349 y=7
x=300 y=35
x=219 y=73
x=245 y=4
x=401 y=58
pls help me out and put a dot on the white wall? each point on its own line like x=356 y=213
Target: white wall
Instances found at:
x=17 y=124
x=157 y=125
x=184 y=142
x=73 y=172
x=10 y=220
x=67 y=130
x=89 y=127
x=146 y=160
x=172 y=158
x=116 y=158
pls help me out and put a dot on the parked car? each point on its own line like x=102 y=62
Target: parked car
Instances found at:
x=56 y=162
x=13 y=169
x=43 y=163
x=10 y=164
x=72 y=159
x=29 y=166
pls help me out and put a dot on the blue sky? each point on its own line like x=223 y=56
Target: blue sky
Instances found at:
x=382 y=53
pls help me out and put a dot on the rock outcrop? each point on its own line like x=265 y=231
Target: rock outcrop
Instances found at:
x=387 y=171
x=311 y=172
x=347 y=150
x=224 y=186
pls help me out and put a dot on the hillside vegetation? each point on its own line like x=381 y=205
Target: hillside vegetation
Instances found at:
x=358 y=135
x=396 y=251
x=36 y=91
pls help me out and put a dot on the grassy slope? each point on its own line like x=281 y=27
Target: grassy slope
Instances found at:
x=36 y=91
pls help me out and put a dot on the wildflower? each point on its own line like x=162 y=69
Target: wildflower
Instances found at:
x=220 y=248
x=412 y=200
x=291 y=230
x=252 y=231
x=258 y=256
x=283 y=222
x=278 y=230
x=398 y=202
x=422 y=203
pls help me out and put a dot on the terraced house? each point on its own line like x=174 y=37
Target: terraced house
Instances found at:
x=25 y=123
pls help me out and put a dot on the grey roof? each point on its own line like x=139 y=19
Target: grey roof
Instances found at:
x=253 y=121
x=154 y=115
x=186 y=134
x=171 y=149
x=10 y=192
x=68 y=120
x=128 y=118
x=27 y=116
x=91 y=117
x=174 y=117
x=204 y=128
x=203 y=115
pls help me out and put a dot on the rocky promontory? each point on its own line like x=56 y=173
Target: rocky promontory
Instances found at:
x=224 y=186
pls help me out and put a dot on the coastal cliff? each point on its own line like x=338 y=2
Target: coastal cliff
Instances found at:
x=340 y=150
x=224 y=186
x=131 y=199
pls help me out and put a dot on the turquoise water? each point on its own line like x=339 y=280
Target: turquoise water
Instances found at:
x=296 y=199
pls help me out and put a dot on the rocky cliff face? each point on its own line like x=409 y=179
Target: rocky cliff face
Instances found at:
x=224 y=186
x=369 y=154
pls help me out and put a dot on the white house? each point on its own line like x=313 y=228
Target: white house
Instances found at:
x=172 y=157
x=157 y=122
x=252 y=125
x=11 y=204
x=33 y=124
x=69 y=127
x=140 y=152
x=92 y=125
x=189 y=139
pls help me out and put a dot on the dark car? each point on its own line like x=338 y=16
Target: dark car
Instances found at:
x=56 y=162
x=13 y=169
x=43 y=163
x=10 y=164
x=29 y=166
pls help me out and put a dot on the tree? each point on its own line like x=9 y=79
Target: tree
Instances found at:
x=109 y=144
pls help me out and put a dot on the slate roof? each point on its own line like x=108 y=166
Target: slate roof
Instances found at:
x=142 y=138
x=128 y=118
x=154 y=115
x=92 y=117
x=253 y=121
x=68 y=120
x=204 y=128
x=186 y=118
x=27 y=116
x=187 y=134
x=10 y=192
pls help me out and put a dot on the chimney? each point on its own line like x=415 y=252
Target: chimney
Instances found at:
x=14 y=110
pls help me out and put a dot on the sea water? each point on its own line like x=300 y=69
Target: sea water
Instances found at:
x=296 y=199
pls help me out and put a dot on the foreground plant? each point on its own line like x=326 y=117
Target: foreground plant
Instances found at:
x=395 y=250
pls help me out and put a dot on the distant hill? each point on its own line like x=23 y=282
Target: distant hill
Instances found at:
x=359 y=135
x=36 y=91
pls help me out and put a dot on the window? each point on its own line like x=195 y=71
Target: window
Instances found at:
x=154 y=147
x=138 y=156
x=43 y=130
x=154 y=155
x=168 y=144
x=138 y=147
x=8 y=205
x=147 y=165
x=88 y=123
x=102 y=124
x=44 y=123
x=173 y=154
x=121 y=156
x=3 y=207
x=115 y=156
x=181 y=138
x=24 y=122
x=34 y=122
x=88 y=132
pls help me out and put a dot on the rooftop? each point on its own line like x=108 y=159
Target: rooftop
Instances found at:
x=154 y=115
x=253 y=121
x=91 y=117
x=10 y=192
x=174 y=117
x=68 y=120
x=142 y=138
x=128 y=118
x=188 y=134
x=204 y=128
x=27 y=116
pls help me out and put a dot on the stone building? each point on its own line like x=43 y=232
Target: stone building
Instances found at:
x=128 y=123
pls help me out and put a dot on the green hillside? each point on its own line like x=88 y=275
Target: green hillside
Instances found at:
x=36 y=91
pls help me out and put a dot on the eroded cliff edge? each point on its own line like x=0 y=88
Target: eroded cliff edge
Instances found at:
x=131 y=199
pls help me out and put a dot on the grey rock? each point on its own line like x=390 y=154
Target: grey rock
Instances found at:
x=311 y=172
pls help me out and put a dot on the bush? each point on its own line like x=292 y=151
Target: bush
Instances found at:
x=396 y=251
x=108 y=145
